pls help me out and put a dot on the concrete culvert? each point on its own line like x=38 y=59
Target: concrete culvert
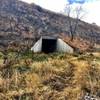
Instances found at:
x=48 y=44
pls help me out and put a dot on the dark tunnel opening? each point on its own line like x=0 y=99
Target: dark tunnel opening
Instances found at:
x=49 y=45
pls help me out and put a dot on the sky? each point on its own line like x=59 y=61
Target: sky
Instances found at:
x=92 y=7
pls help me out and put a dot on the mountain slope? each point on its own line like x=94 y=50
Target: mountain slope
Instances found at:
x=20 y=21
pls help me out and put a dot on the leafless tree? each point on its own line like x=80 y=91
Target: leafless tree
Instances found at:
x=74 y=14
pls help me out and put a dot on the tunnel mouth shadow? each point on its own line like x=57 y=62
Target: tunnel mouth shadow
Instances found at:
x=49 y=45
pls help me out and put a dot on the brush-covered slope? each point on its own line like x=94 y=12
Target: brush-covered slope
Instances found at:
x=20 y=21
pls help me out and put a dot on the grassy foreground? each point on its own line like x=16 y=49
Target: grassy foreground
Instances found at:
x=57 y=76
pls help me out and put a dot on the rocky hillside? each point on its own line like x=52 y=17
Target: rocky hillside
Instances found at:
x=20 y=21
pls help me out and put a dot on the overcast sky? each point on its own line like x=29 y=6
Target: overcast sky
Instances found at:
x=91 y=6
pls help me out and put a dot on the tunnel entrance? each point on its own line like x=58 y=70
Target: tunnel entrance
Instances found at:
x=49 y=45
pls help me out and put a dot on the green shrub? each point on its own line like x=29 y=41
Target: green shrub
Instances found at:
x=1 y=55
x=23 y=69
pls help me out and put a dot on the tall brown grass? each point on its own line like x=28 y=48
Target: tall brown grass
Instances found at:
x=58 y=76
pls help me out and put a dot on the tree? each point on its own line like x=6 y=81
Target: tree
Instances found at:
x=74 y=14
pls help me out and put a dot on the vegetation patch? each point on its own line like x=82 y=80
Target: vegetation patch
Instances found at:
x=57 y=76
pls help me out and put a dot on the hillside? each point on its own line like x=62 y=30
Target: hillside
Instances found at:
x=20 y=22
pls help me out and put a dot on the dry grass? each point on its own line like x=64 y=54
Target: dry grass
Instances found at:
x=55 y=77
